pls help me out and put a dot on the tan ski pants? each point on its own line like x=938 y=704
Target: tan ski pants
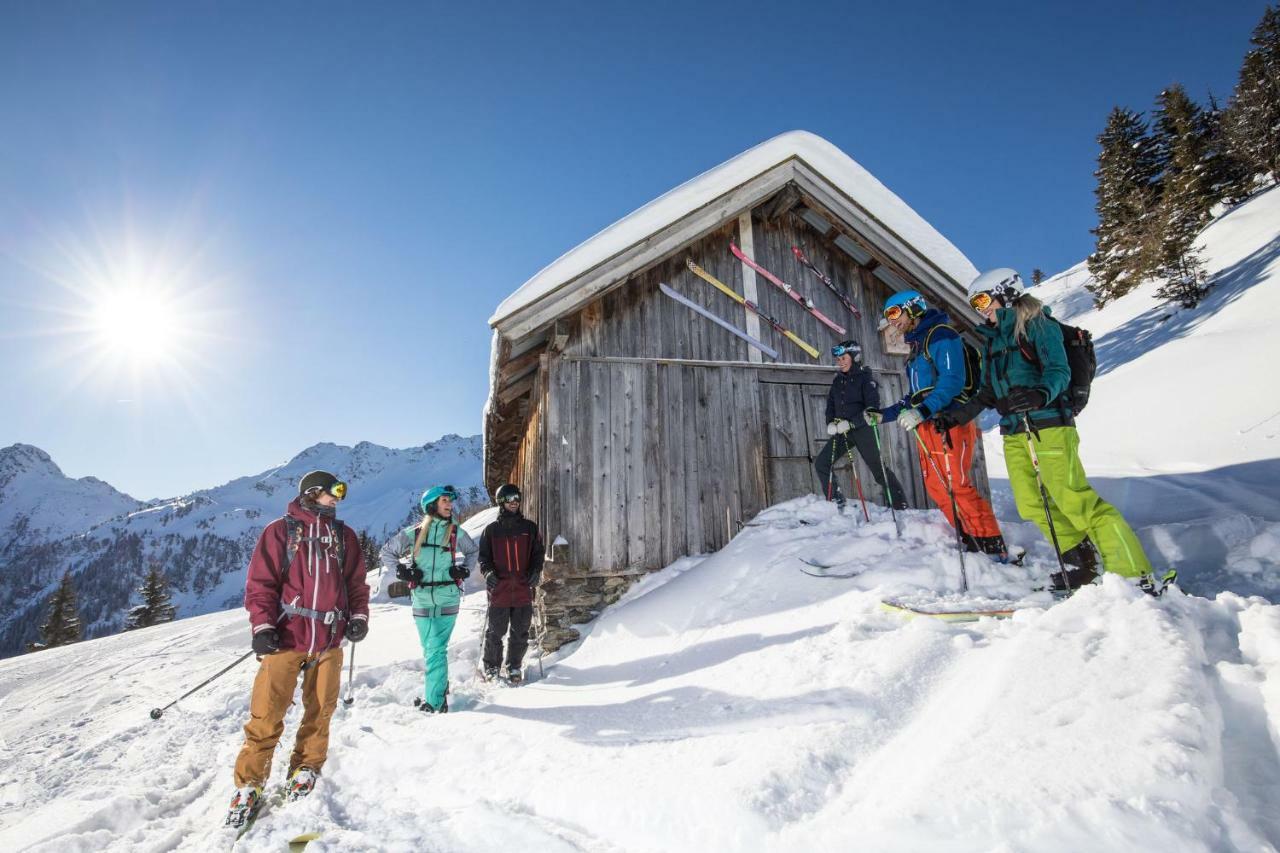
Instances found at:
x=272 y=695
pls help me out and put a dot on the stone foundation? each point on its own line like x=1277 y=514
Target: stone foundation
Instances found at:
x=569 y=600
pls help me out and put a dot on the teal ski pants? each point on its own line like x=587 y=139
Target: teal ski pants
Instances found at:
x=434 y=633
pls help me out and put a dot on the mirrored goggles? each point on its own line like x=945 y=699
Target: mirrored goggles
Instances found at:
x=514 y=499
x=982 y=301
x=338 y=490
x=839 y=350
x=893 y=312
x=450 y=492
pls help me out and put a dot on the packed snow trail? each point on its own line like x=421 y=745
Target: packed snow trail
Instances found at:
x=729 y=702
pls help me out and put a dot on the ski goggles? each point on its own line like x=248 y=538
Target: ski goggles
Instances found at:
x=893 y=312
x=338 y=489
x=840 y=349
x=982 y=301
x=514 y=499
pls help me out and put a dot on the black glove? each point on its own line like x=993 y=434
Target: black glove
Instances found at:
x=459 y=571
x=533 y=580
x=266 y=642
x=357 y=630
x=491 y=581
x=409 y=573
x=1022 y=399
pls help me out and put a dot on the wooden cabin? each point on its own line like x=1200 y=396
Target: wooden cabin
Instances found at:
x=638 y=430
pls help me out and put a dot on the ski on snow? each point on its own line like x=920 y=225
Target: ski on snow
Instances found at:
x=949 y=615
x=789 y=290
x=834 y=570
x=750 y=306
x=825 y=279
x=724 y=324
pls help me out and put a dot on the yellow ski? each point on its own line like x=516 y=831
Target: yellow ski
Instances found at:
x=749 y=305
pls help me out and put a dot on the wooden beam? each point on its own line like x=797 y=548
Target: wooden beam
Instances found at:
x=559 y=335
x=519 y=365
x=517 y=389
x=747 y=240
x=782 y=203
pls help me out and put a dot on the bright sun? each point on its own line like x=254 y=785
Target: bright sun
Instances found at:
x=142 y=326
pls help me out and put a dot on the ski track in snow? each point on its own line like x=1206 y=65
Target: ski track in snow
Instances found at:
x=729 y=702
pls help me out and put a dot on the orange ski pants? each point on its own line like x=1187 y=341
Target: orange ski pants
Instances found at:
x=976 y=516
x=272 y=695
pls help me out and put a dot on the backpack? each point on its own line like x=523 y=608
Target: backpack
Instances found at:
x=972 y=362
x=1080 y=358
x=294 y=539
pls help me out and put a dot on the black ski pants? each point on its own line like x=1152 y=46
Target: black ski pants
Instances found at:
x=497 y=622
x=864 y=440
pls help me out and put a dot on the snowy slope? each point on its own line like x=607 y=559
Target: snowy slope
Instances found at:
x=1182 y=431
x=203 y=540
x=729 y=702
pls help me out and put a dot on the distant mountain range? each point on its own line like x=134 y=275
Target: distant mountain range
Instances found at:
x=50 y=523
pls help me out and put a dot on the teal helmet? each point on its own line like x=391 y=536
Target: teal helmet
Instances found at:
x=908 y=300
x=431 y=495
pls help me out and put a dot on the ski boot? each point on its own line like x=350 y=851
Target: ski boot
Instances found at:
x=515 y=677
x=1156 y=588
x=301 y=783
x=427 y=708
x=244 y=806
x=489 y=673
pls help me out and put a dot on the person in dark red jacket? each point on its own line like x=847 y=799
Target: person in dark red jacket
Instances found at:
x=511 y=561
x=305 y=591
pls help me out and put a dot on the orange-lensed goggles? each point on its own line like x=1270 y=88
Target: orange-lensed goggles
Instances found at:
x=893 y=312
x=982 y=301
x=338 y=489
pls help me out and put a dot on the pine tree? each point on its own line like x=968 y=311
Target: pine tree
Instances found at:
x=1037 y=276
x=1127 y=248
x=1252 y=121
x=156 y=607
x=63 y=627
x=1225 y=176
x=369 y=547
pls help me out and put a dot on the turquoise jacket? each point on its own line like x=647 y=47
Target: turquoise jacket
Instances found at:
x=438 y=593
x=1005 y=367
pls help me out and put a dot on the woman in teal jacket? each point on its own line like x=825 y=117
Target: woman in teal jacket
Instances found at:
x=434 y=557
x=1025 y=376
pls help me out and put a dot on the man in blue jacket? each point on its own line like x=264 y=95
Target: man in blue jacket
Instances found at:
x=852 y=392
x=937 y=378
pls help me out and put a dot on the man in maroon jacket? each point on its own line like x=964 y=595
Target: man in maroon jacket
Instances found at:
x=511 y=562
x=305 y=590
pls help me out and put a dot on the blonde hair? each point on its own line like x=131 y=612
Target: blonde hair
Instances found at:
x=1026 y=309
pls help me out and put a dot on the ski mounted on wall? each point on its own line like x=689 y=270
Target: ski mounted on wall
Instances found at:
x=750 y=306
x=825 y=279
x=724 y=324
x=789 y=290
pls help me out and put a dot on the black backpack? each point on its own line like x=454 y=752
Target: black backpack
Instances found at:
x=972 y=362
x=294 y=538
x=1080 y=358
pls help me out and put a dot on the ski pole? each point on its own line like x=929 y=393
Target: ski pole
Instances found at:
x=857 y=481
x=1044 y=501
x=884 y=472
x=830 y=450
x=351 y=675
x=955 y=510
x=156 y=713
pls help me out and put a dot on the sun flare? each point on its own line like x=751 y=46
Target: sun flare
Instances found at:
x=139 y=325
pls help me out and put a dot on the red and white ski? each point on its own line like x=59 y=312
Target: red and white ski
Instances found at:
x=789 y=290
x=825 y=279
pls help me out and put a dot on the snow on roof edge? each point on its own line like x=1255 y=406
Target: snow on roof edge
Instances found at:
x=837 y=166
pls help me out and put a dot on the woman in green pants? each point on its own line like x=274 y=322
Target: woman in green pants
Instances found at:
x=434 y=557
x=1025 y=376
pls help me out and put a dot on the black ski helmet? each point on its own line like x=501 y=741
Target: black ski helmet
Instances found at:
x=849 y=348
x=321 y=480
x=507 y=492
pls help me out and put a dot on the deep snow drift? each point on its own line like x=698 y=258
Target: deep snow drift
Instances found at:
x=1182 y=431
x=729 y=702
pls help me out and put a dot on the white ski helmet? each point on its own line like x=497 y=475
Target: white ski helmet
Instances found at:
x=1003 y=283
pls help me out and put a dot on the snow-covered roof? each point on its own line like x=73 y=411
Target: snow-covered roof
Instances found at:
x=838 y=168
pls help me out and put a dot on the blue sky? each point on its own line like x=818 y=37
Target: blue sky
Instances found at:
x=332 y=198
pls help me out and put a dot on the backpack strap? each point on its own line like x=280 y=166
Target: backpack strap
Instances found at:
x=293 y=540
